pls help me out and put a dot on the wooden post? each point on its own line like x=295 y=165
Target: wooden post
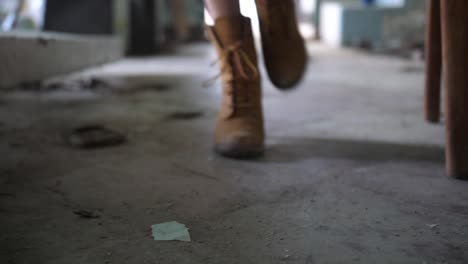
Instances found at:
x=455 y=63
x=433 y=62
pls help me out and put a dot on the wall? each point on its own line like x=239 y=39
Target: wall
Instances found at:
x=406 y=29
x=394 y=27
x=33 y=56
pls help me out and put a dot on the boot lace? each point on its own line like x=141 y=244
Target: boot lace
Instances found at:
x=236 y=66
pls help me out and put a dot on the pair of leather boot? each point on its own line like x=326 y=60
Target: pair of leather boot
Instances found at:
x=239 y=130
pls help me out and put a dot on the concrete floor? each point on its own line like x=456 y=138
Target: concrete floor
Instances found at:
x=352 y=173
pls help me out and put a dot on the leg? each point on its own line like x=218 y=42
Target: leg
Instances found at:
x=455 y=61
x=433 y=62
x=222 y=8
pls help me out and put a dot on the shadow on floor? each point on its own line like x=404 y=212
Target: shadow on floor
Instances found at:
x=297 y=149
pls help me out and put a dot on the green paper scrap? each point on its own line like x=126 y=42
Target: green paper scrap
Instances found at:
x=171 y=231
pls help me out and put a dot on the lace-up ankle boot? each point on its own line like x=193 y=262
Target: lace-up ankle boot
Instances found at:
x=239 y=130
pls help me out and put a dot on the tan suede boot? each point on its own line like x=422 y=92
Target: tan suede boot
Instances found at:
x=239 y=131
x=283 y=46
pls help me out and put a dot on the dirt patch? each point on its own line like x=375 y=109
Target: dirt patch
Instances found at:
x=93 y=136
x=87 y=214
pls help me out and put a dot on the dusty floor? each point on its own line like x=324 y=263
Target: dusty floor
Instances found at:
x=352 y=174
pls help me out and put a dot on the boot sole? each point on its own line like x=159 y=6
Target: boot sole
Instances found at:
x=240 y=154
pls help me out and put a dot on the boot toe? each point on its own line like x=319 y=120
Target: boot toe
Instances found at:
x=240 y=147
x=286 y=72
x=287 y=79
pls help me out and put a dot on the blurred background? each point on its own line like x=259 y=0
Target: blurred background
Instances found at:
x=149 y=25
x=106 y=128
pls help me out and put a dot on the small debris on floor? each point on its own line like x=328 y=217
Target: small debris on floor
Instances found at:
x=42 y=41
x=15 y=144
x=432 y=226
x=157 y=87
x=87 y=214
x=184 y=115
x=91 y=83
x=171 y=231
x=93 y=136
x=80 y=84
